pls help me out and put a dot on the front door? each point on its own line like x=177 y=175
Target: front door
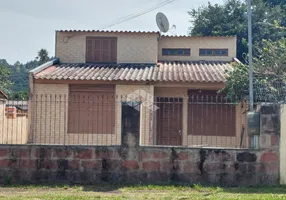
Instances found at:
x=169 y=121
x=130 y=123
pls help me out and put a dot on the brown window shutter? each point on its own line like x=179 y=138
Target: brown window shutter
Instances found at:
x=91 y=109
x=210 y=116
x=96 y=50
x=106 y=50
x=89 y=50
x=101 y=49
x=113 y=50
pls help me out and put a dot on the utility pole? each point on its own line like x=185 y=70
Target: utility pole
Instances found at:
x=254 y=140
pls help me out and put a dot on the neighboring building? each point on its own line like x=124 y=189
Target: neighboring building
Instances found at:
x=13 y=121
x=3 y=99
x=77 y=98
x=3 y=96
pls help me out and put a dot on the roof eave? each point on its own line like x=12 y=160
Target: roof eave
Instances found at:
x=3 y=94
x=44 y=66
x=237 y=61
x=108 y=31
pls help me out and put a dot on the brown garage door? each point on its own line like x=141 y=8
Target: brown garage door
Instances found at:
x=169 y=121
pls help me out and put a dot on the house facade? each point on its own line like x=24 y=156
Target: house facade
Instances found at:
x=81 y=96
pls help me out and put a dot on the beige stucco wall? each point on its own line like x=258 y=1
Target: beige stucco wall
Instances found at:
x=49 y=120
x=282 y=147
x=195 y=43
x=143 y=93
x=131 y=48
x=206 y=141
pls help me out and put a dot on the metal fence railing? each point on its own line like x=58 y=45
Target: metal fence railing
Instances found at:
x=13 y=122
x=84 y=118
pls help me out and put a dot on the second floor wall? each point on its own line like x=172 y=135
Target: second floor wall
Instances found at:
x=140 y=47
x=197 y=48
x=71 y=47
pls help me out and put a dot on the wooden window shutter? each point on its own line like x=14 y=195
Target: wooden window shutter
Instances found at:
x=96 y=50
x=101 y=49
x=210 y=115
x=113 y=50
x=89 y=50
x=91 y=109
x=106 y=56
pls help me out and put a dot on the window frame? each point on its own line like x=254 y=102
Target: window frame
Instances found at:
x=213 y=52
x=177 y=50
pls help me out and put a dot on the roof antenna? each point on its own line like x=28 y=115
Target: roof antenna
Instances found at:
x=162 y=23
x=173 y=30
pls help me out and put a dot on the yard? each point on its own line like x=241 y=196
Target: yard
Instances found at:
x=65 y=192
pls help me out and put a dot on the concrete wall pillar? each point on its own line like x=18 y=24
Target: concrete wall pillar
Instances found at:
x=282 y=149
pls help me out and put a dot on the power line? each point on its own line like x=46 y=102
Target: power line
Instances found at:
x=134 y=15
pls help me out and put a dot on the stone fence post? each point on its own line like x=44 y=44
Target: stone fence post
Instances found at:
x=269 y=126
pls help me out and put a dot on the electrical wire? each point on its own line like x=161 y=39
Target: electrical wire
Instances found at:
x=134 y=15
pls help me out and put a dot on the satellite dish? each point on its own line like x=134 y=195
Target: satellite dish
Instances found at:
x=162 y=22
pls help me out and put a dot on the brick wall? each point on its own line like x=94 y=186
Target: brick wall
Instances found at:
x=138 y=165
x=131 y=48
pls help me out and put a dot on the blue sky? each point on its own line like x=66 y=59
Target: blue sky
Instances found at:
x=27 y=26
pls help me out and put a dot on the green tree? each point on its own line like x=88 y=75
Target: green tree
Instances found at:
x=43 y=56
x=230 y=18
x=5 y=83
x=269 y=67
x=20 y=95
x=276 y=2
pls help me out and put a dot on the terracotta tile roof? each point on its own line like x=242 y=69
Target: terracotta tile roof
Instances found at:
x=143 y=32
x=199 y=71
x=197 y=36
x=108 y=31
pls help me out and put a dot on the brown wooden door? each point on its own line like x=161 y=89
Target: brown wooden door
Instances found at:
x=169 y=121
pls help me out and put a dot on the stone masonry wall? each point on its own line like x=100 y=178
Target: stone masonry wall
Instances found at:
x=270 y=125
x=138 y=165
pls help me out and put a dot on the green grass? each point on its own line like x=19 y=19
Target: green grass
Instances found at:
x=166 y=192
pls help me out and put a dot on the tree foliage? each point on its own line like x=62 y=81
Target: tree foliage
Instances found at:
x=281 y=3
x=43 y=56
x=269 y=67
x=230 y=18
x=4 y=76
x=14 y=79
